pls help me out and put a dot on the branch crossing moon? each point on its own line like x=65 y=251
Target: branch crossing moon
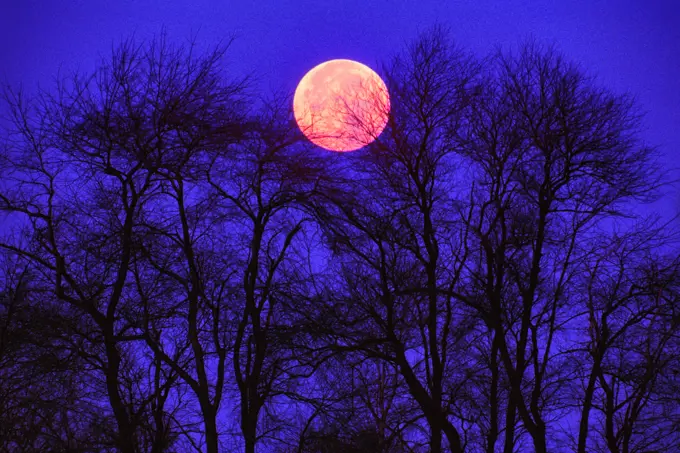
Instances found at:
x=341 y=105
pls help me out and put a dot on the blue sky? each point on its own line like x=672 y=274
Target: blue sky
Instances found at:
x=631 y=45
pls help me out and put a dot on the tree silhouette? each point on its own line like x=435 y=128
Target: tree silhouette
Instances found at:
x=181 y=271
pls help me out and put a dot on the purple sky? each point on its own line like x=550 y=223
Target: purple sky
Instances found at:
x=631 y=45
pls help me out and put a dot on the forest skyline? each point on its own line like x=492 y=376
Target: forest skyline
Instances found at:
x=497 y=269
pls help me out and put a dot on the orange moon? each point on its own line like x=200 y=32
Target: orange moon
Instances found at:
x=341 y=105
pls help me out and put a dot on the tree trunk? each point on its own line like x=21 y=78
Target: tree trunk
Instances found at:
x=510 y=415
x=538 y=436
x=210 y=423
x=492 y=436
x=435 y=435
x=249 y=434
x=452 y=436
x=585 y=414
x=126 y=439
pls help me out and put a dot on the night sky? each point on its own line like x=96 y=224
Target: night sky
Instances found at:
x=630 y=45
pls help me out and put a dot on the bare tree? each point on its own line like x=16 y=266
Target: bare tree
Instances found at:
x=369 y=410
x=630 y=292
x=46 y=375
x=85 y=166
x=554 y=156
x=259 y=187
x=391 y=234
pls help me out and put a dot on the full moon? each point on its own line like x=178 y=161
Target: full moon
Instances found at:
x=341 y=105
